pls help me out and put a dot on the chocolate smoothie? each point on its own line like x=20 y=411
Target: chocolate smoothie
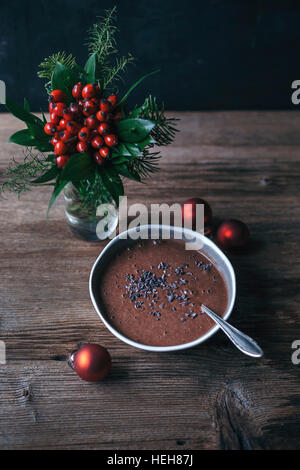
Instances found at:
x=152 y=293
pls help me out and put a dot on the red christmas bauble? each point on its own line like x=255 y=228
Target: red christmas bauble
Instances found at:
x=233 y=234
x=189 y=211
x=91 y=362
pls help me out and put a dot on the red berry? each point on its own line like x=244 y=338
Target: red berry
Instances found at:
x=75 y=109
x=73 y=126
x=104 y=152
x=58 y=95
x=103 y=128
x=82 y=147
x=91 y=362
x=97 y=142
x=68 y=115
x=189 y=211
x=233 y=234
x=113 y=99
x=50 y=128
x=90 y=107
x=62 y=160
x=101 y=116
x=66 y=135
x=55 y=139
x=98 y=159
x=96 y=101
x=84 y=134
x=54 y=119
x=92 y=122
x=77 y=90
x=60 y=148
x=105 y=105
x=90 y=91
x=111 y=140
x=62 y=124
x=51 y=107
x=59 y=109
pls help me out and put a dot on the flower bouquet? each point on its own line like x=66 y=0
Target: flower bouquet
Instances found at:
x=92 y=141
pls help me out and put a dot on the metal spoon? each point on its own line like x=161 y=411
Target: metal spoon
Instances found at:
x=243 y=342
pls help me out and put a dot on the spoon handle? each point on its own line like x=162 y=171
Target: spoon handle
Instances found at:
x=243 y=342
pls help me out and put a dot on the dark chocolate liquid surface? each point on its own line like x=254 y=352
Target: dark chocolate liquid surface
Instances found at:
x=152 y=293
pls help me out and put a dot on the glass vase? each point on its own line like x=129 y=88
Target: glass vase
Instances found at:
x=89 y=223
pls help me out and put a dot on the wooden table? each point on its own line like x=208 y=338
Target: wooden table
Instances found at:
x=246 y=164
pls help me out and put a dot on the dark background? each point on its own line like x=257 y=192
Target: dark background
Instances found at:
x=212 y=54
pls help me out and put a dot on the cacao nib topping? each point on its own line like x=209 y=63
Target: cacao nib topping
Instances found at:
x=152 y=291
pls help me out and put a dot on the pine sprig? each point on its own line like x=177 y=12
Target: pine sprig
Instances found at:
x=102 y=42
x=145 y=165
x=114 y=72
x=164 y=131
x=49 y=63
x=18 y=176
x=101 y=39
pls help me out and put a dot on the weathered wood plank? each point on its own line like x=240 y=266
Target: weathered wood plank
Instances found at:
x=247 y=165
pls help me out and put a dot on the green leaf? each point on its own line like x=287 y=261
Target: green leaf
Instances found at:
x=143 y=144
x=38 y=132
x=48 y=176
x=133 y=149
x=43 y=146
x=134 y=86
x=51 y=158
x=44 y=117
x=79 y=69
x=59 y=186
x=112 y=182
x=125 y=159
x=80 y=166
x=134 y=130
x=123 y=170
x=90 y=68
x=63 y=78
x=22 y=137
x=22 y=114
x=123 y=150
x=120 y=150
x=26 y=105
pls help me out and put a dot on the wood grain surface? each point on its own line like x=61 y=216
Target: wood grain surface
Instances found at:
x=246 y=164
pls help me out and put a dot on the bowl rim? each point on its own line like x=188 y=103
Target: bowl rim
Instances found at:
x=178 y=347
